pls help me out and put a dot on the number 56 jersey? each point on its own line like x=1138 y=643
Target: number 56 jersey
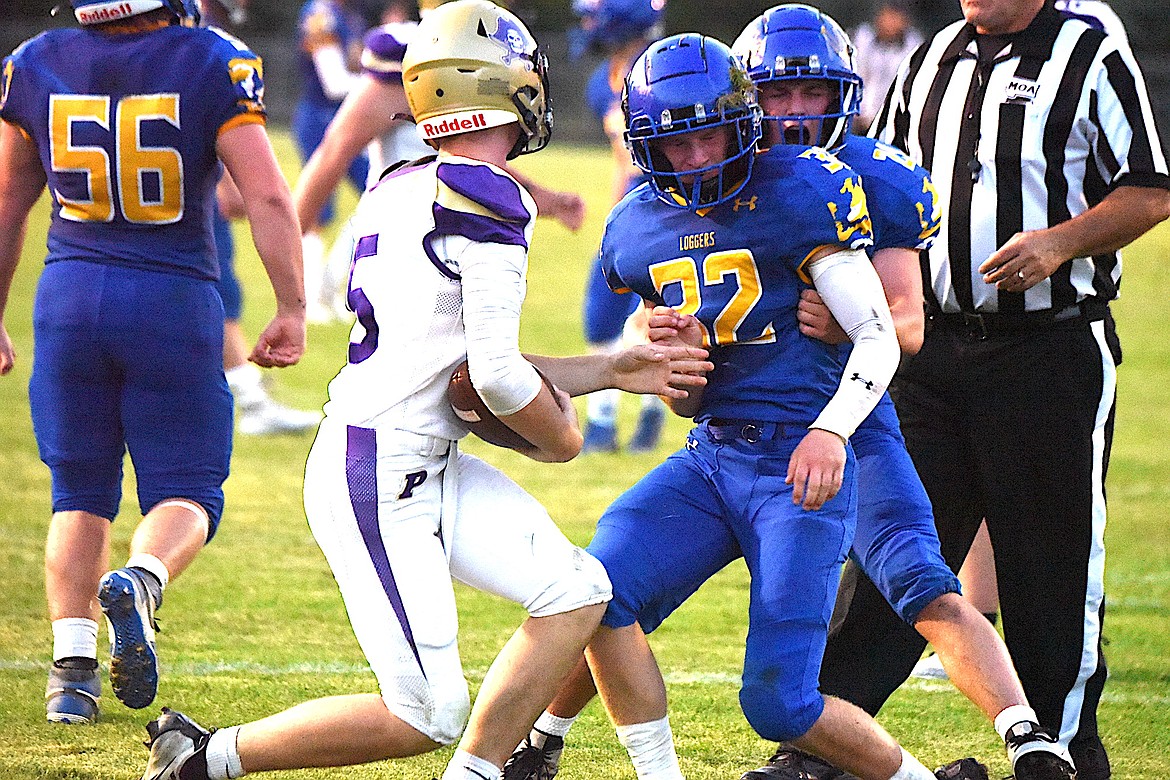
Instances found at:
x=739 y=267
x=126 y=127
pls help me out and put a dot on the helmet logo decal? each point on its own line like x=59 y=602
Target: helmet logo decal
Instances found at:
x=511 y=40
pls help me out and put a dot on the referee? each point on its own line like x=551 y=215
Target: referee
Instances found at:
x=1037 y=131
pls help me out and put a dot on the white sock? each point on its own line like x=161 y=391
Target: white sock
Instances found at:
x=1012 y=715
x=464 y=766
x=223 y=759
x=912 y=769
x=75 y=638
x=549 y=725
x=651 y=749
x=245 y=382
x=153 y=565
x=601 y=407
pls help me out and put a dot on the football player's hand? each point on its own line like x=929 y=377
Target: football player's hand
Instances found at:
x=661 y=369
x=816 y=468
x=7 y=353
x=816 y=321
x=568 y=208
x=282 y=343
x=667 y=326
x=1024 y=261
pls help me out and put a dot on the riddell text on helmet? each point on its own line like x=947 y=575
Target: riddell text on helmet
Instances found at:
x=455 y=124
x=104 y=14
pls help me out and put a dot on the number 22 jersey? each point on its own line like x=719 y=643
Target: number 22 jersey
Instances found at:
x=739 y=267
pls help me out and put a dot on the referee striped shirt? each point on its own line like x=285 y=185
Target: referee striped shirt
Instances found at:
x=1022 y=141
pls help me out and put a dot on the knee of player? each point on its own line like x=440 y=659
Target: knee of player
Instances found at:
x=581 y=584
x=779 y=714
x=439 y=714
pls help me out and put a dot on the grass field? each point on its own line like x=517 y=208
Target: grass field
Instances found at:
x=256 y=624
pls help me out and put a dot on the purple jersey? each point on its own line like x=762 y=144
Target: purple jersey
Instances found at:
x=126 y=127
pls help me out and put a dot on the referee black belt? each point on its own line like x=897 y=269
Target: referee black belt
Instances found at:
x=723 y=429
x=985 y=325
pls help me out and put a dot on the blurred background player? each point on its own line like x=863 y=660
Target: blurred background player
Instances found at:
x=375 y=117
x=139 y=367
x=258 y=413
x=438 y=277
x=621 y=30
x=881 y=45
x=329 y=40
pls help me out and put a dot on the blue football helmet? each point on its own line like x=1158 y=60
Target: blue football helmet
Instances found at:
x=681 y=84
x=607 y=24
x=99 y=11
x=795 y=41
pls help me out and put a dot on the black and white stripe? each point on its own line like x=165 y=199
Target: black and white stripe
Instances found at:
x=1022 y=161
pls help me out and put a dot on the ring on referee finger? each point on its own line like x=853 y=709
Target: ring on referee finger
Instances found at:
x=1020 y=274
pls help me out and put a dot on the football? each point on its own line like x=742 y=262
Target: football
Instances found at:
x=475 y=415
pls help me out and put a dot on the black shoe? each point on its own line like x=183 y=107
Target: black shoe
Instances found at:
x=1036 y=754
x=789 y=763
x=530 y=762
x=963 y=769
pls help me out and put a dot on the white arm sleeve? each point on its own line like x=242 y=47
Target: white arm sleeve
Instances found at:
x=336 y=79
x=493 y=290
x=853 y=292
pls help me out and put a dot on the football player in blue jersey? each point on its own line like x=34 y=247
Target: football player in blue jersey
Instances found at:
x=620 y=29
x=439 y=277
x=802 y=63
x=329 y=45
x=126 y=120
x=729 y=241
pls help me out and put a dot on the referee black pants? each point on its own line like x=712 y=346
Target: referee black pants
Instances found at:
x=1014 y=427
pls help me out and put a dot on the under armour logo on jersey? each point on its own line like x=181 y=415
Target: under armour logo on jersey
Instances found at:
x=411 y=481
x=749 y=204
x=858 y=378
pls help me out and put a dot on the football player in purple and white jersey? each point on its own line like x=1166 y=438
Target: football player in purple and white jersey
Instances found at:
x=127 y=120
x=438 y=277
x=376 y=117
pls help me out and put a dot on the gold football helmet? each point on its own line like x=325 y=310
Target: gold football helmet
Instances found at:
x=473 y=65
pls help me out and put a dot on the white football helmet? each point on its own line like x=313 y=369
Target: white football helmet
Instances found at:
x=473 y=65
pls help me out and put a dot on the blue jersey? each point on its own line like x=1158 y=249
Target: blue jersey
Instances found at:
x=126 y=127
x=606 y=104
x=906 y=214
x=903 y=204
x=739 y=268
x=326 y=23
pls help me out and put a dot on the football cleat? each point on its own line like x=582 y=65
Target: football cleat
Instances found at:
x=174 y=738
x=963 y=769
x=72 y=694
x=1036 y=754
x=271 y=418
x=789 y=763
x=599 y=437
x=129 y=609
x=649 y=429
x=530 y=762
